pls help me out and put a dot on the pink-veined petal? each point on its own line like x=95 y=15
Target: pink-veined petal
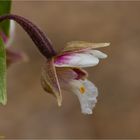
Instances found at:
x=81 y=73
x=65 y=75
x=76 y=60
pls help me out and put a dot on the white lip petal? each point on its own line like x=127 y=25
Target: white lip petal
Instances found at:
x=88 y=98
x=76 y=60
x=98 y=54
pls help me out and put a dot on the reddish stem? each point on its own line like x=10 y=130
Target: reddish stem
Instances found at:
x=38 y=37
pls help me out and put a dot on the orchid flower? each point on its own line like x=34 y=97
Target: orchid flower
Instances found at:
x=64 y=71
x=12 y=56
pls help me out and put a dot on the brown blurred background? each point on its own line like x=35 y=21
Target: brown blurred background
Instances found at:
x=31 y=113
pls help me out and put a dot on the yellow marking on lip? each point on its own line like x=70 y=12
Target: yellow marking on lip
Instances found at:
x=82 y=89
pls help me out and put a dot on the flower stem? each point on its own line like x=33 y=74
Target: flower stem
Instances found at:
x=41 y=41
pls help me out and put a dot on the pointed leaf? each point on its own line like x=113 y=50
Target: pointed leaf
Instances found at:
x=5 y=7
x=3 y=95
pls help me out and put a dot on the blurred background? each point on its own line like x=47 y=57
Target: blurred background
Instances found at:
x=32 y=113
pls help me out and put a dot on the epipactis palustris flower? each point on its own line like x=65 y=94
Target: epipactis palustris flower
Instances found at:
x=64 y=70
x=11 y=55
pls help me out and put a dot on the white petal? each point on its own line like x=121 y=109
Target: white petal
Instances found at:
x=12 y=34
x=98 y=54
x=88 y=97
x=76 y=60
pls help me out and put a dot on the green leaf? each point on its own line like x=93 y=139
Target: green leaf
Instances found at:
x=3 y=94
x=5 y=7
